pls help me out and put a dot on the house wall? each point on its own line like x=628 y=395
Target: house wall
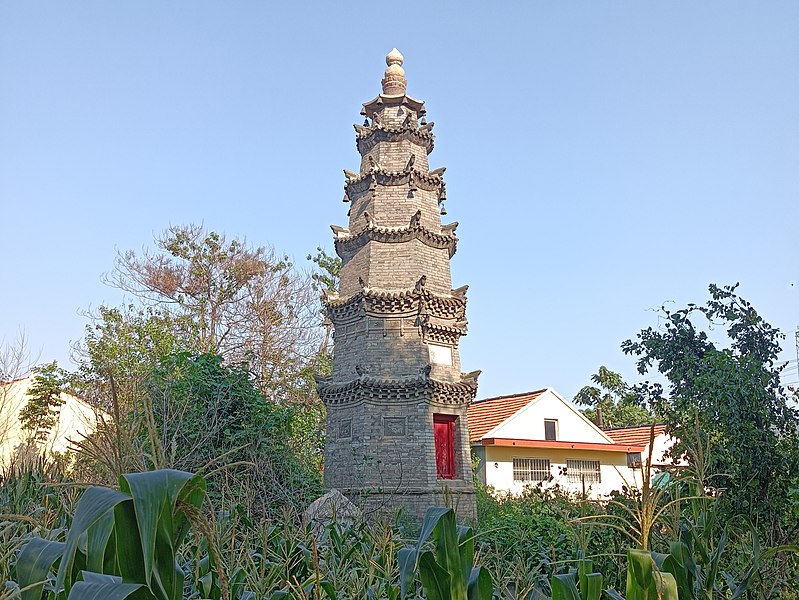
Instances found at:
x=663 y=444
x=76 y=419
x=498 y=468
x=528 y=423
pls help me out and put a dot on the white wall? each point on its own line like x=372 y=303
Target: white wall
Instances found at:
x=614 y=472
x=76 y=419
x=528 y=423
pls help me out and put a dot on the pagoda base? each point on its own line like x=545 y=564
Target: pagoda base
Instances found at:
x=414 y=502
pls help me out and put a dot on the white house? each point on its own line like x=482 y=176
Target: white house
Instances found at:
x=538 y=437
x=76 y=419
x=641 y=435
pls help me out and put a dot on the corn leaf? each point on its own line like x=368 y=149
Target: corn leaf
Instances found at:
x=84 y=590
x=92 y=506
x=591 y=586
x=35 y=560
x=666 y=587
x=435 y=580
x=564 y=588
x=155 y=497
x=406 y=558
x=480 y=586
x=97 y=537
x=465 y=536
x=448 y=553
x=90 y=577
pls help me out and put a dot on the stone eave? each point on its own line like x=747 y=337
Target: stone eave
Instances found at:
x=367 y=389
x=413 y=177
x=371 y=107
x=393 y=304
x=347 y=242
x=441 y=333
x=367 y=137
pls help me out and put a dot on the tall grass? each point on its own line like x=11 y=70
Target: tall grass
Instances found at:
x=531 y=547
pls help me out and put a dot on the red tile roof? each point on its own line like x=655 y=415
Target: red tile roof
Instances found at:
x=638 y=435
x=484 y=415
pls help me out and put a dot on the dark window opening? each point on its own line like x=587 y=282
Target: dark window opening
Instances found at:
x=550 y=429
x=634 y=460
x=444 y=436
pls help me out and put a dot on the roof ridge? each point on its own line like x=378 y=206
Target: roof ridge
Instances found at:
x=633 y=426
x=510 y=396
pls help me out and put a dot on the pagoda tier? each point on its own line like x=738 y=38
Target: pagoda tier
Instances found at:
x=396 y=400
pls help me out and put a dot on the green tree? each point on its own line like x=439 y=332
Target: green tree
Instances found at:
x=149 y=366
x=119 y=351
x=328 y=269
x=733 y=393
x=232 y=299
x=40 y=413
x=209 y=416
x=611 y=402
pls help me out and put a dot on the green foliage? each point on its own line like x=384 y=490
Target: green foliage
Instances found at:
x=446 y=569
x=126 y=344
x=524 y=540
x=210 y=415
x=40 y=413
x=735 y=394
x=233 y=557
x=329 y=269
x=612 y=403
x=131 y=535
x=644 y=581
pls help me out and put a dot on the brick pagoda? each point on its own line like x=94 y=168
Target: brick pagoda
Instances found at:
x=396 y=401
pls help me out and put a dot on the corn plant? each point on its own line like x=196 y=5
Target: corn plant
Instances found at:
x=446 y=571
x=645 y=581
x=131 y=535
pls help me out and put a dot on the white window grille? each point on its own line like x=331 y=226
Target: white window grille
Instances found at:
x=530 y=469
x=583 y=471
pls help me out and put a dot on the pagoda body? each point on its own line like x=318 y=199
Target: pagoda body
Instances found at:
x=396 y=401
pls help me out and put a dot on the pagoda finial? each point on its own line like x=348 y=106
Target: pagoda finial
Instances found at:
x=394 y=82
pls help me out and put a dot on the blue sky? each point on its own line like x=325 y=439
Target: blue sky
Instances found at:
x=603 y=158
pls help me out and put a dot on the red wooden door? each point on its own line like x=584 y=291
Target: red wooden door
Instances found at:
x=444 y=434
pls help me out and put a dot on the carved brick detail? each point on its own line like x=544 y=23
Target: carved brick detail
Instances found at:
x=371 y=390
x=348 y=244
x=393 y=304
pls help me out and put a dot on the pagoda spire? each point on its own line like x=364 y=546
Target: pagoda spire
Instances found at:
x=396 y=400
x=394 y=82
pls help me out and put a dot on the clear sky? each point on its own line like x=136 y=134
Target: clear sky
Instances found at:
x=603 y=158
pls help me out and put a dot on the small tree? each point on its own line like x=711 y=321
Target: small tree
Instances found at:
x=735 y=394
x=612 y=403
x=41 y=412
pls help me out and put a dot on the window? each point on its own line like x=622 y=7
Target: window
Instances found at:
x=583 y=471
x=530 y=469
x=550 y=429
x=634 y=460
x=444 y=437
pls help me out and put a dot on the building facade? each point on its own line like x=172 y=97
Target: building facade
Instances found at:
x=397 y=432
x=538 y=438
